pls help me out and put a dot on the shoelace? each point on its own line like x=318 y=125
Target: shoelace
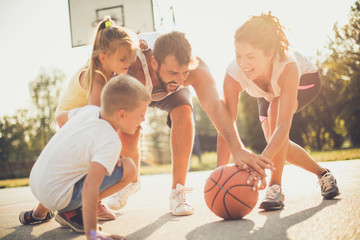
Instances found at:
x=125 y=191
x=272 y=192
x=326 y=181
x=181 y=194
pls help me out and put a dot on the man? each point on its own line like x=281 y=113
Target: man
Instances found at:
x=167 y=69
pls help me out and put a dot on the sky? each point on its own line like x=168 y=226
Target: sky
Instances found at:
x=36 y=34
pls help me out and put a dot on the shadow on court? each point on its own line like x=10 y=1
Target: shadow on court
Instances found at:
x=275 y=227
x=146 y=231
x=26 y=233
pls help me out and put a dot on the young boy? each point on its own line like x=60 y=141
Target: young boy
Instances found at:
x=81 y=165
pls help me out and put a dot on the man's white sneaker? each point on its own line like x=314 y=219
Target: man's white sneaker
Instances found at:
x=179 y=206
x=119 y=199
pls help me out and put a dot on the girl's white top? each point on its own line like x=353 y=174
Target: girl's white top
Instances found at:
x=303 y=64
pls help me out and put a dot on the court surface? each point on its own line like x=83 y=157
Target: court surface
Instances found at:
x=305 y=216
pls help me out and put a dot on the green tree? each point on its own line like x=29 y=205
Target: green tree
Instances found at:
x=335 y=114
x=155 y=141
x=205 y=130
x=346 y=47
x=14 y=137
x=45 y=91
x=204 y=125
x=351 y=110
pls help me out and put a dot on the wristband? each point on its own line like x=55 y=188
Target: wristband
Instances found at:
x=93 y=234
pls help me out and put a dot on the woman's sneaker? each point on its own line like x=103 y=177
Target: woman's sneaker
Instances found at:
x=119 y=199
x=179 y=206
x=328 y=185
x=27 y=217
x=274 y=198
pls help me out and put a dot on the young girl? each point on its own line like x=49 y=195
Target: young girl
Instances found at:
x=284 y=82
x=114 y=50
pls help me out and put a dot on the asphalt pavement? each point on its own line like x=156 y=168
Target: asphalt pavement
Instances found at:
x=305 y=216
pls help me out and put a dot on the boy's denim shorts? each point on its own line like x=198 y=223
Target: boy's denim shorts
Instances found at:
x=76 y=199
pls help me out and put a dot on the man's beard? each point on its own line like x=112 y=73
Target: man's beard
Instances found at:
x=163 y=84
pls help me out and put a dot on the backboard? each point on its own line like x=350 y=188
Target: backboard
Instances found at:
x=85 y=15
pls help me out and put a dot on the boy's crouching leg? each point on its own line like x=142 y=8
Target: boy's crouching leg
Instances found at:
x=129 y=172
x=38 y=215
x=123 y=174
x=121 y=181
x=119 y=200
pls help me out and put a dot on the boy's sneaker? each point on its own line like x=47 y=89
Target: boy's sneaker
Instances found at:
x=72 y=219
x=119 y=199
x=104 y=214
x=328 y=185
x=274 y=198
x=27 y=217
x=179 y=206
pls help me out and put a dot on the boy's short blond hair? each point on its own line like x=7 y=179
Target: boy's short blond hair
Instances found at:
x=122 y=92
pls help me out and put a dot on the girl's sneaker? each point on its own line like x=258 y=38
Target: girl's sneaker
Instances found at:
x=27 y=217
x=274 y=198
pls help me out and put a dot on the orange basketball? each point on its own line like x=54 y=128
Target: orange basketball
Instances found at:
x=227 y=194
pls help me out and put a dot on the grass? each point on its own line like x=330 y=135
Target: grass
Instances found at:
x=336 y=155
x=208 y=162
x=18 y=182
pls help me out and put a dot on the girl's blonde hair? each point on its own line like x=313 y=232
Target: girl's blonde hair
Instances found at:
x=109 y=39
x=264 y=32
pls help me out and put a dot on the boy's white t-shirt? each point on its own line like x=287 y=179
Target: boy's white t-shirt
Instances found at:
x=85 y=138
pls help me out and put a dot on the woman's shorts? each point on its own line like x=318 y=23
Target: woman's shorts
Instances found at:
x=308 y=90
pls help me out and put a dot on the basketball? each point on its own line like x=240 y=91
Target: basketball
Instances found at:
x=227 y=194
